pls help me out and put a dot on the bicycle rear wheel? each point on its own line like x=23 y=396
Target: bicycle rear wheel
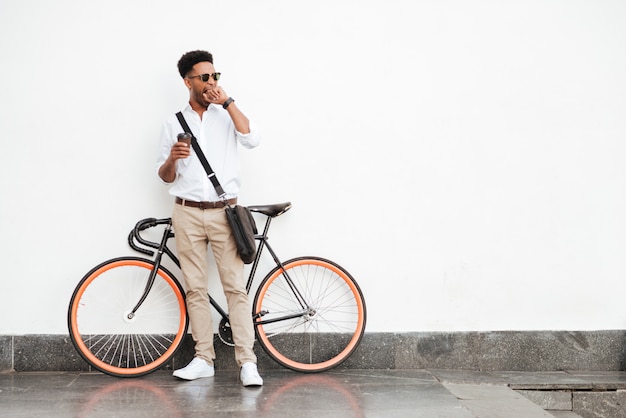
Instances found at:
x=316 y=337
x=98 y=317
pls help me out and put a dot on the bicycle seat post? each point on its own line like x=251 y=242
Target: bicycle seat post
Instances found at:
x=268 y=221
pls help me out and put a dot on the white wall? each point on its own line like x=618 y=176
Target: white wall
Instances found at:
x=464 y=159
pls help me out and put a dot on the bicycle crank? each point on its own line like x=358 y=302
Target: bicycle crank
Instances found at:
x=225 y=333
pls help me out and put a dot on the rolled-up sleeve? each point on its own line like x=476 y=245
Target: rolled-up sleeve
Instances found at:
x=165 y=145
x=251 y=139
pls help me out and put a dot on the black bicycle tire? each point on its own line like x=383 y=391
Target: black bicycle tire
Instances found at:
x=77 y=341
x=358 y=334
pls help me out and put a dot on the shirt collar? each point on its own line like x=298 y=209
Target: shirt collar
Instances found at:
x=212 y=106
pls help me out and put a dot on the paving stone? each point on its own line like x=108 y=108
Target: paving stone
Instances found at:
x=543 y=380
x=549 y=399
x=564 y=414
x=600 y=404
x=495 y=401
x=602 y=380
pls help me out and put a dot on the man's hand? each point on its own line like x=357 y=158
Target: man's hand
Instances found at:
x=179 y=150
x=215 y=95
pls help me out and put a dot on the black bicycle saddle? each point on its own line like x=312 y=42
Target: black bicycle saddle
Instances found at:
x=271 y=210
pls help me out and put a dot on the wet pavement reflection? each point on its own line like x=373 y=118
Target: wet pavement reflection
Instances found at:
x=346 y=393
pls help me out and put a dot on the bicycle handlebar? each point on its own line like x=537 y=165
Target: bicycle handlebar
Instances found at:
x=136 y=236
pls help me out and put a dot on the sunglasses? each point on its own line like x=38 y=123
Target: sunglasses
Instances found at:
x=206 y=77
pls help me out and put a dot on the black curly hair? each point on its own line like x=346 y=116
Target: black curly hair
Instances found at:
x=188 y=60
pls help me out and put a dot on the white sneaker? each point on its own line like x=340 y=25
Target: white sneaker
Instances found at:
x=250 y=375
x=196 y=369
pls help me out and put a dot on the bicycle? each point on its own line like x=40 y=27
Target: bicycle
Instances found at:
x=127 y=316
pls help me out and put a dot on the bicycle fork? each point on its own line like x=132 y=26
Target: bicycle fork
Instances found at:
x=153 y=272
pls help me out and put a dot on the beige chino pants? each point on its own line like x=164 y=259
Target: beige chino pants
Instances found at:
x=195 y=228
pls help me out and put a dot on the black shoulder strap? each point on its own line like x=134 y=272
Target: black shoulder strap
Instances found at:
x=200 y=154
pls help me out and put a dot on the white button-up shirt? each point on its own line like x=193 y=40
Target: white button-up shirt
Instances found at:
x=218 y=139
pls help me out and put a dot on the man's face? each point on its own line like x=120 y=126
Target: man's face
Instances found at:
x=195 y=84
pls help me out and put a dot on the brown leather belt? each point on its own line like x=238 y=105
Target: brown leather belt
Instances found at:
x=205 y=205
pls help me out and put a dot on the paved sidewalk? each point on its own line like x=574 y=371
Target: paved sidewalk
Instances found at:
x=339 y=393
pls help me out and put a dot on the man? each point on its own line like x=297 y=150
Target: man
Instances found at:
x=199 y=218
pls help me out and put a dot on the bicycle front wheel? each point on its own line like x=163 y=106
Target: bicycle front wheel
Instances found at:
x=113 y=341
x=311 y=316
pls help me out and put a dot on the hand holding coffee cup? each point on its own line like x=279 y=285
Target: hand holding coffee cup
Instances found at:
x=182 y=149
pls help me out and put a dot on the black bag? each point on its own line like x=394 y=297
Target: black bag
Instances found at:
x=244 y=229
x=239 y=217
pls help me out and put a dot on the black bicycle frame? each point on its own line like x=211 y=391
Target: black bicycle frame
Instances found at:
x=162 y=248
x=262 y=238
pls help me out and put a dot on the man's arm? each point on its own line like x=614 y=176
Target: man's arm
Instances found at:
x=219 y=96
x=242 y=124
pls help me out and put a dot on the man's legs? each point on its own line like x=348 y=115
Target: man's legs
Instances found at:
x=192 y=227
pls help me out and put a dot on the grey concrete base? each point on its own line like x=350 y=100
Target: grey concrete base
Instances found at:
x=481 y=351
